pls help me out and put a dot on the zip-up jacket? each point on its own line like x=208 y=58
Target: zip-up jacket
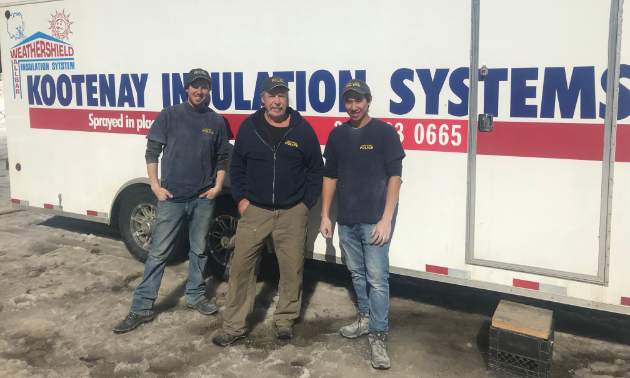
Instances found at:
x=277 y=179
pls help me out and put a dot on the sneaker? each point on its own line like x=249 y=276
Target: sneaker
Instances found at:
x=284 y=332
x=378 y=350
x=204 y=306
x=357 y=328
x=223 y=339
x=132 y=321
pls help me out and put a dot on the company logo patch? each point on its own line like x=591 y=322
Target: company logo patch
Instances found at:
x=290 y=143
x=200 y=73
x=352 y=84
x=366 y=147
x=277 y=80
x=209 y=131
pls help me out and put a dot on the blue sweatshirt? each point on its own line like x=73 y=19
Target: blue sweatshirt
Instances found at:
x=193 y=141
x=280 y=179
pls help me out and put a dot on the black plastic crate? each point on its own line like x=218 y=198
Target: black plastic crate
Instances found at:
x=519 y=355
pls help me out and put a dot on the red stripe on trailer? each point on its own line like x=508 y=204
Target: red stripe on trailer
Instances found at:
x=93 y=213
x=552 y=140
x=48 y=206
x=577 y=141
x=622 y=150
x=80 y=120
x=625 y=301
x=13 y=200
x=416 y=134
x=526 y=284
x=437 y=269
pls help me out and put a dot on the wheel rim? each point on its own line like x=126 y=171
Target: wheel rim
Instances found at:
x=221 y=238
x=142 y=221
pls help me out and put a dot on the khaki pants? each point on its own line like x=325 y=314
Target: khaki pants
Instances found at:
x=288 y=229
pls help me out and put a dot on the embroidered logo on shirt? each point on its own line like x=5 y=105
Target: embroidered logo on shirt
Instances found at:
x=209 y=131
x=292 y=144
x=366 y=147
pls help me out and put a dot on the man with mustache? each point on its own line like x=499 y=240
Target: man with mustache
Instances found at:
x=276 y=177
x=193 y=139
x=364 y=165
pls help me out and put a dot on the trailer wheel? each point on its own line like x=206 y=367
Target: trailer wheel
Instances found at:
x=221 y=246
x=137 y=217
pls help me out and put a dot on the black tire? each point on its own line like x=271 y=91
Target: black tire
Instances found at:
x=221 y=270
x=220 y=259
x=224 y=205
x=134 y=235
x=218 y=270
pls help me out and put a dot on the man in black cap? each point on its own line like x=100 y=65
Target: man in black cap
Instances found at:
x=276 y=177
x=193 y=139
x=361 y=153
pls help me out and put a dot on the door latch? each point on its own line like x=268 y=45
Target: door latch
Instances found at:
x=485 y=122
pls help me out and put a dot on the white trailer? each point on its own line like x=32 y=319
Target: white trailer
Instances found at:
x=525 y=209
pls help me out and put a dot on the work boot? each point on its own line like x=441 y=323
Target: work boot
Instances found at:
x=132 y=321
x=284 y=332
x=223 y=339
x=357 y=328
x=378 y=349
x=204 y=306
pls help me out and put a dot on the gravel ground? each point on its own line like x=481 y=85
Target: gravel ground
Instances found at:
x=65 y=283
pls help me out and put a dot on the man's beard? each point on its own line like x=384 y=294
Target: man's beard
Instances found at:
x=270 y=114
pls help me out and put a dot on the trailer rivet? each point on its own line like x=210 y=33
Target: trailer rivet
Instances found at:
x=7 y=14
x=18 y=167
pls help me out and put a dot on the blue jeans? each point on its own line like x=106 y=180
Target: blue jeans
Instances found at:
x=168 y=222
x=369 y=265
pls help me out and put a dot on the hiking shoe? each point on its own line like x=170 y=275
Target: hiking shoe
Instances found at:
x=223 y=339
x=357 y=328
x=204 y=306
x=132 y=321
x=378 y=350
x=284 y=332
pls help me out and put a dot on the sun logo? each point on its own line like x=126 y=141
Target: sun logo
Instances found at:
x=60 y=25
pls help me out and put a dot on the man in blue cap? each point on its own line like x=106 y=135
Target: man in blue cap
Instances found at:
x=361 y=153
x=276 y=177
x=193 y=139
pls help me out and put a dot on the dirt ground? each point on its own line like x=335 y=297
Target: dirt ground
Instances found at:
x=65 y=283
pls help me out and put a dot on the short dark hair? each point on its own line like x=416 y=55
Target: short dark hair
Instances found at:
x=199 y=78
x=368 y=97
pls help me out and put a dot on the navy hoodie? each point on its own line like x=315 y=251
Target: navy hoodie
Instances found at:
x=279 y=180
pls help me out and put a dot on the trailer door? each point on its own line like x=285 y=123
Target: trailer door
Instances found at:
x=536 y=198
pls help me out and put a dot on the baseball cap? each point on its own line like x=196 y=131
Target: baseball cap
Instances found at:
x=195 y=74
x=356 y=85
x=272 y=82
